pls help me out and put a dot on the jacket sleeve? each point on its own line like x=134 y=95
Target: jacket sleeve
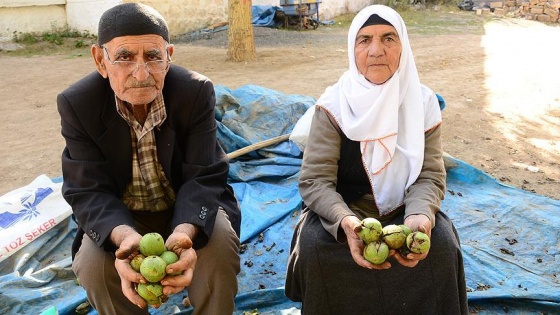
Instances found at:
x=318 y=176
x=204 y=166
x=88 y=185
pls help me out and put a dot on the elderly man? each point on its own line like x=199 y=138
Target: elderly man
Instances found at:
x=142 y=156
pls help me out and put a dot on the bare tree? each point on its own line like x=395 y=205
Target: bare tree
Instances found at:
x=241 y=40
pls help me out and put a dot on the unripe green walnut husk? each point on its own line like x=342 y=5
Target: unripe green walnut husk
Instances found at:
x=136 y=262
x=405 y=229
x=393 y=236
x=152 y=244
x=170 y=257
x=376 y=252
x=418 y=242
x=404 y=250
x=152 y=293
x=371 y=230
x=153 y=268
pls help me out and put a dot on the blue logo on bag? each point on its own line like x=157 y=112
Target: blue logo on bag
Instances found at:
x=29 y=203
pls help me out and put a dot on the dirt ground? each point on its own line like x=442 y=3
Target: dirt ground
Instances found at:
x=501 y=87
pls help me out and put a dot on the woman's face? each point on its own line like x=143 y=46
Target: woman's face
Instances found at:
x=377 y=52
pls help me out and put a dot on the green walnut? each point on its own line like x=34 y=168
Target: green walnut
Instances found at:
x=371 y=230
x=152 y=293
x=136 y=262
x=153 y=268
x=376 y=252
x=405 y=229
x=152 y=244
x=393 y=236
x=418 y=242
x=170 y=257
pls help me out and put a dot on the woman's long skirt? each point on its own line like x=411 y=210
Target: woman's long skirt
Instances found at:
x=324 y=277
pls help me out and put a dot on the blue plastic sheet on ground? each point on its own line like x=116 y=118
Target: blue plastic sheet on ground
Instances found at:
x=509 y=236
x=263 y=15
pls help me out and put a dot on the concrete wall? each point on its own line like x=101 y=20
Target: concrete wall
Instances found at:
x=182 y=18
x=328 y=9
x=28 y=16
x=83 y=15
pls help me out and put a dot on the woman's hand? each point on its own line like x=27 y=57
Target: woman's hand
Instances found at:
x=351 y=225
x=419 y=222
x=416 y=222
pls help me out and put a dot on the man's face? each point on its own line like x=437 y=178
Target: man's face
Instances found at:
x=133 y=83
x=377 y=52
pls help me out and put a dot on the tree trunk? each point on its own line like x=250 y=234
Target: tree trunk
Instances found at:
x=241 y=40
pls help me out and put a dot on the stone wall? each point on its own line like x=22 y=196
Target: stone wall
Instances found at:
x=539 y=10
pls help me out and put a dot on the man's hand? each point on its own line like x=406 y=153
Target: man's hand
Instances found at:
x=351 y=226
x=416 y=222
x=127 y=240
x=180 y=242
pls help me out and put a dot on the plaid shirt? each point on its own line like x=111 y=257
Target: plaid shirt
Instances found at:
x=149 y=189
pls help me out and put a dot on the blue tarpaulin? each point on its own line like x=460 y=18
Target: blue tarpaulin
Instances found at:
x=509 y=237
x=263 y=15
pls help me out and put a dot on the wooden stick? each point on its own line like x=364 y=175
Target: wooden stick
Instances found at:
x=256 y=146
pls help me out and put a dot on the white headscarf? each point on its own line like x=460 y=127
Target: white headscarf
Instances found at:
x=387 y=119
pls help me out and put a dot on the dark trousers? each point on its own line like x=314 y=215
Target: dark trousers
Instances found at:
x=212 y=290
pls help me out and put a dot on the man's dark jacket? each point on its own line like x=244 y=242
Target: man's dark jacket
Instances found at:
x=97 y=159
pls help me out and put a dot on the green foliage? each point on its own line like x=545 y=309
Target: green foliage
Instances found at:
x=432 y=19
x=405 y=4
x=344 y=20
x=25 y=38
x=54 y=36
x=441 y=20
x=58 y=39
x=80 y=43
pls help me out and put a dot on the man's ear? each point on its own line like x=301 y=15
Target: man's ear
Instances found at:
x=170 y=48
x=97 y=53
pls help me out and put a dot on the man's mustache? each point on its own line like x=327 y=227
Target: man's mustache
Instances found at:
x=142 y=84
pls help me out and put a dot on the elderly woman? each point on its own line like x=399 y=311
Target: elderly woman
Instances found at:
x=374 y=150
